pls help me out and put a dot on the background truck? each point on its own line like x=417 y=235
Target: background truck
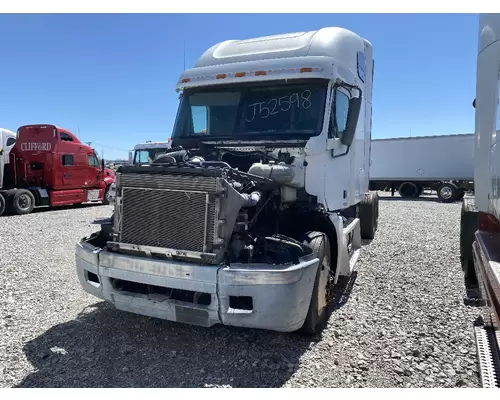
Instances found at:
x=257 y=212
x=444 y=163
x=480 y=217
x=49 y=166
x=7 y=141
x=146 y=152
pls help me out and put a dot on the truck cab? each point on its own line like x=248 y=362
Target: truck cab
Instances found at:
x=49 y=166
x=145 y=153
x=258 y=209
x=7 y=141
x=480 y=216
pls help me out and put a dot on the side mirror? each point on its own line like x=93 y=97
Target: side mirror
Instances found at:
x=103 y=165
x=474 y=103
x=130 y=157
x=352 y=120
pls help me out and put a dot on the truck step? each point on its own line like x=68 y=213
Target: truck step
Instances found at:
x=487 y=342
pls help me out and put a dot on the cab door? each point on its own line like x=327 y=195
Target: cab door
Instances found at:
x=69 y=170
x=93 y=172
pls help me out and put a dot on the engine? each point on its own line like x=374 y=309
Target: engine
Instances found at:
x=187 y=207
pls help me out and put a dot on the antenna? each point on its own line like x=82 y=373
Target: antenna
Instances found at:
x=79 y=132
x=184 y=54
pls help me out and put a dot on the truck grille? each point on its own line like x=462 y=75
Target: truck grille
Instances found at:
x=168 y=211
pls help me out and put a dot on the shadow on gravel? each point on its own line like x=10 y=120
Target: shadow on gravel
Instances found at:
x=397 y=198
x=105 y=347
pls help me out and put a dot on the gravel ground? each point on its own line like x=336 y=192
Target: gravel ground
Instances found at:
x=403 y=324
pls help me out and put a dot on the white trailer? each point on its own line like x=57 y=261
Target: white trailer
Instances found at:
x=143 y=154
x=257 y=212
x=444 y=163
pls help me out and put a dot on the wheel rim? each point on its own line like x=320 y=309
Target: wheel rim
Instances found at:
x=446 y=193
x=24 y=202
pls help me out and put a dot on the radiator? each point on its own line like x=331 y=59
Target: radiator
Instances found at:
x=170 y=211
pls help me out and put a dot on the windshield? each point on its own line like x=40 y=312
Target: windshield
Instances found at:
x=266 y=108
x=146 y=156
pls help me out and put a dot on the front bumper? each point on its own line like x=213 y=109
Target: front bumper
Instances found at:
x=246 y=295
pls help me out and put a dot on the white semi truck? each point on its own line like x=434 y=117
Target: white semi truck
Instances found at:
x=145 y=153
x=258 y=210
x=444 y=163
x=7 y=141
x=480 y=218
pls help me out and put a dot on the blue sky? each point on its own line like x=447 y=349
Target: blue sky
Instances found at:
x=114 y=76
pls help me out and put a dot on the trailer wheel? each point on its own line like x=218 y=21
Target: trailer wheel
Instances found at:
x=21 y=201
x=2 y=205
x=368 y=215
x=317 y=314
x=468 y=227
x=420 y=190
x=409 y=190
x=447 y=192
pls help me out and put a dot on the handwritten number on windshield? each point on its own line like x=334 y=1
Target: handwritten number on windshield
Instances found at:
x=264 y=109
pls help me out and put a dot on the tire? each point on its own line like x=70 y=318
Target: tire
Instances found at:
x=408 y=190
x=317 y=314
x=2 y=204
x=420 y=190
x=21 y=201
x=447 y=192
x=105 y=200
x=468 y=227
x=368 y=215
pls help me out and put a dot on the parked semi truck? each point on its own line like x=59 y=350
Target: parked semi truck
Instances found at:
x=259 y=207
x=444 y=163
x=145 y=153
x=49 y=167
x=480 y=217
x=7 y=140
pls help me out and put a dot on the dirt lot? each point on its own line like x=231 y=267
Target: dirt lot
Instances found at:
x=403 y=323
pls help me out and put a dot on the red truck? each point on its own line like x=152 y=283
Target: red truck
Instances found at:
x=50 y=167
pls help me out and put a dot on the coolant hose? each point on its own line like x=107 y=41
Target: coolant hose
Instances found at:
x=251 y=199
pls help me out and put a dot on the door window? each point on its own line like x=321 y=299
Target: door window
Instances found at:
x=93 y=161
x=338 y=116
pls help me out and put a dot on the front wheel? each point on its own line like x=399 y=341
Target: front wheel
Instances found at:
x=107 y=198
x=317 y=314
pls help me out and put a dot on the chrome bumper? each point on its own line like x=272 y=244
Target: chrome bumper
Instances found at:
x=246 y=295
